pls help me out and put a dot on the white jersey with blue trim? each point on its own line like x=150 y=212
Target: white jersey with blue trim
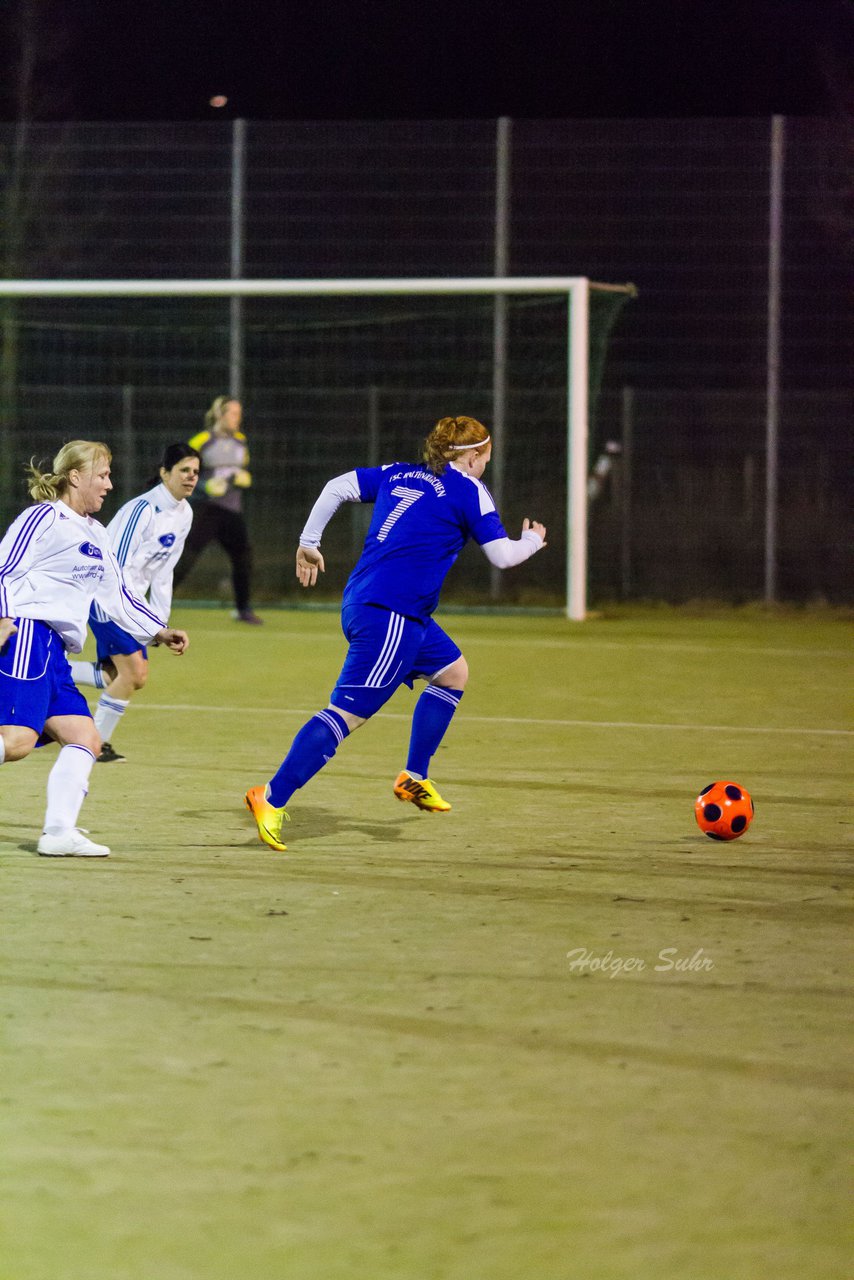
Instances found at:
x=54 y=563
x=420 y=524
x=148 y=535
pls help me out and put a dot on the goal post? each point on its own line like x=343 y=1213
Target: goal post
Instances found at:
x=577 y=449
x=575 y=289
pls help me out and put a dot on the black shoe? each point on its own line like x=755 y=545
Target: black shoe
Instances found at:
x=108 y=755
x=248 y=615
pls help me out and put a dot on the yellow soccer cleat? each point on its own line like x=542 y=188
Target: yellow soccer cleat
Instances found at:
x=422 y=794
x=269 y=819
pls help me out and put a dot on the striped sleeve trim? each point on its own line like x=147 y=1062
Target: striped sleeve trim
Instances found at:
x=29 y=528
x=138 y=606
x=126 y=540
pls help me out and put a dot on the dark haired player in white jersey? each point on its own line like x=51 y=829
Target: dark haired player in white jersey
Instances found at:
x=423 y=517
x=147 y=535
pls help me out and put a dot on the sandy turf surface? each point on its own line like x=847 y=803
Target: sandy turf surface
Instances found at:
x=555 y=1033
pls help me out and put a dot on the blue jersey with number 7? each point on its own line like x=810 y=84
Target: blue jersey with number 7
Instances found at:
x=420 y=525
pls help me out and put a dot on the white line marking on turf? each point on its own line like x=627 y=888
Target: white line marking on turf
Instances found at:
x=196 y=708
x=573 y=642
x=680 y=646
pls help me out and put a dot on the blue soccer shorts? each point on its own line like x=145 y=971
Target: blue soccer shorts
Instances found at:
x=111 y=638
x=386 y=651
x=35 y=678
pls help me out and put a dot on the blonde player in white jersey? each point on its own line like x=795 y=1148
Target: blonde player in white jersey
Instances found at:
x=147 y=535
x=55 y=559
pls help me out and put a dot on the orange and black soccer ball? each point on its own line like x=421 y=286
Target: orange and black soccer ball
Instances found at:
x=724 y=810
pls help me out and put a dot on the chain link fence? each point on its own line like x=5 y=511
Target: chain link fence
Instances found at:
x=678 y=207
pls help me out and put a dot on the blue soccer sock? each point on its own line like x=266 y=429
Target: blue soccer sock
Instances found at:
x=434 y=711
x=312 y=748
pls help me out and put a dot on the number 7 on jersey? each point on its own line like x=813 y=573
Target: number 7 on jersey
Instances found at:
x=407 y=498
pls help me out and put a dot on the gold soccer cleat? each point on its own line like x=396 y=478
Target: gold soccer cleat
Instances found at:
x=422 y=794
x=268 y=818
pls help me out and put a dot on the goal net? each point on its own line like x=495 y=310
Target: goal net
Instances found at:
x=332 y=375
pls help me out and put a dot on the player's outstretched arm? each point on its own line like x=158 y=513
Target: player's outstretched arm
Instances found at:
x=173 y=639
x=309 y=564
x=7 y=628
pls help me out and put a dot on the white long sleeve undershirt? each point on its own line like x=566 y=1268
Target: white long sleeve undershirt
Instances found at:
x=504 y=553
x=344 y=488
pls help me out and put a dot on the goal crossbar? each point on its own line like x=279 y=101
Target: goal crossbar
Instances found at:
x=293 y=288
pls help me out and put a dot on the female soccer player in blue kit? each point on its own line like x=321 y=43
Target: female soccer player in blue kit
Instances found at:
x=423 y=517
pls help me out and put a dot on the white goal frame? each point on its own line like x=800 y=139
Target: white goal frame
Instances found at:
x=577 y=289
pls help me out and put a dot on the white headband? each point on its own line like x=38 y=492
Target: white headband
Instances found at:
x=477 y=445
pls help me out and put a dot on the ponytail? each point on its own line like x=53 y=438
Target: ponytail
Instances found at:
x=449 y=438
x=47 y=486
x=43 y=486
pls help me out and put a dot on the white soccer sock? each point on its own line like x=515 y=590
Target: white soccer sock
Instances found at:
x=108 y=713
x=87 y=673
x=66 y=788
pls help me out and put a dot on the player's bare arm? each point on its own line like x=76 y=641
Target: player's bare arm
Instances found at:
x=309 y=564
x=7 y=628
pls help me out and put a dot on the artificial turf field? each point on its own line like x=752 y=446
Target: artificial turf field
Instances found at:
x=371 y=1057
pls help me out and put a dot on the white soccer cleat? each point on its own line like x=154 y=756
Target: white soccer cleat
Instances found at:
x=71 y=844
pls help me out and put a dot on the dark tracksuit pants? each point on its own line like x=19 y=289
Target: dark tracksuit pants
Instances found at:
x=228 y=528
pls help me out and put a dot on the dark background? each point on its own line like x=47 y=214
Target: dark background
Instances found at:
x=640 y=153
x=340 y=59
